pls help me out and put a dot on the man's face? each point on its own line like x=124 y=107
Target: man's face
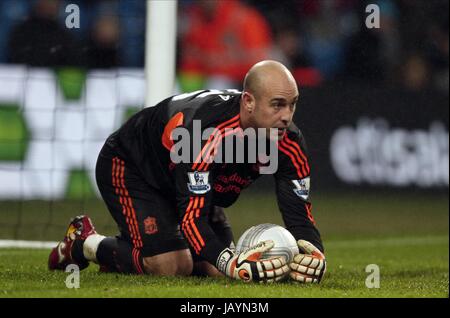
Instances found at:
x=275 y=107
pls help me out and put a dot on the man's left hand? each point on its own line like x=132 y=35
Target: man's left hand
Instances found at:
x=309 y=266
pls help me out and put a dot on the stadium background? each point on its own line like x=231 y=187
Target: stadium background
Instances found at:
x=373 y=107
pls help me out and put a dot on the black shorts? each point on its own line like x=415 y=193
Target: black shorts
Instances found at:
x=146 y=219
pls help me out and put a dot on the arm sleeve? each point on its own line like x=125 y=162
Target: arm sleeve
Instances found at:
x=292 y=190
x=194 y=201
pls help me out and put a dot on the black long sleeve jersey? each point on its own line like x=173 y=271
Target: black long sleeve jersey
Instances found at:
x=147 y=139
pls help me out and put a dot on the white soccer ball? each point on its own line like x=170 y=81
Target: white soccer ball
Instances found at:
x=285 y=243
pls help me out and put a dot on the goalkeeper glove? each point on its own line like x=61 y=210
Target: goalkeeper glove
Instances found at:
x=309 y=266
x=248 y=265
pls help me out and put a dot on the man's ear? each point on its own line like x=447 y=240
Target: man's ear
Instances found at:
x=249 y=102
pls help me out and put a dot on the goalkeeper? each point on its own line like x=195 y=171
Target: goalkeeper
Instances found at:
x=170 y=215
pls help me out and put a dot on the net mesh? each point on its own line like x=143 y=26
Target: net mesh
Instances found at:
x=53 y=126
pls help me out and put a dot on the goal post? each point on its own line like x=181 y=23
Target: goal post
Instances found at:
x=160 y=50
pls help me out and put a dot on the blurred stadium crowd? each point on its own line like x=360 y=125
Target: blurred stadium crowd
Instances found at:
x=321 y=40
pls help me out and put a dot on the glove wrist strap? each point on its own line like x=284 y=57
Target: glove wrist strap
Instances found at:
x=222 y=261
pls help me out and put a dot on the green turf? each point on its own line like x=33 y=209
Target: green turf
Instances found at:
x=406 y=236
x=338 y=215
x=409 y=267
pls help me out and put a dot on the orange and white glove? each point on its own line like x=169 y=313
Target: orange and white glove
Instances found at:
x=248 y=265
x=310 y=265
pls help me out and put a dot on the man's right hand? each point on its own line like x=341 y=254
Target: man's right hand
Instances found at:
x=248 y=265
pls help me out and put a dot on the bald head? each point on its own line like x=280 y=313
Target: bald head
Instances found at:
x=269 y=98
x=265 y=74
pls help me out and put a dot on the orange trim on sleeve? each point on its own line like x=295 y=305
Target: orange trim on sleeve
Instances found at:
x=212 y=151
x=186 y=226
x=308 y=210
x=197 y=207
x=293 y=159
x=299 y=150
x=174 y=122
x=212 y=140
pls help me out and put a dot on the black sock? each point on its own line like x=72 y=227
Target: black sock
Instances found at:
x=77 y=254
x=118 y=255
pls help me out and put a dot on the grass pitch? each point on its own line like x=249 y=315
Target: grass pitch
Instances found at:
x=405 y=236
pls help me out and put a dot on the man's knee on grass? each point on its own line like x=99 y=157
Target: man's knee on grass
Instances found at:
x=117 y=255
x=175 y=263
x=203 y=268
